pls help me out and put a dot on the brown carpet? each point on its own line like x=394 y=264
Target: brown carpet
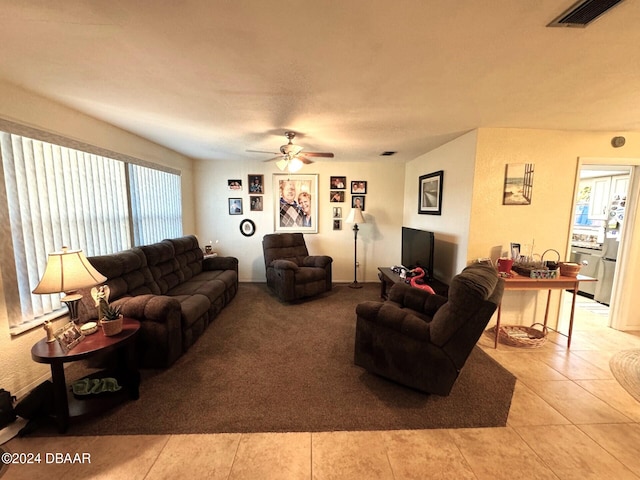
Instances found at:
x=264 y=366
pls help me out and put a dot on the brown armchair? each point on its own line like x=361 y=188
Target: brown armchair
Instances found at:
x=423 y=340
x=291 y=272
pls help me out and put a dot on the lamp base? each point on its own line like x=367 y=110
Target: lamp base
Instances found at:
x=355 y=285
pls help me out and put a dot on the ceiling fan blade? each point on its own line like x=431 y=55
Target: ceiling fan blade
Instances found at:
x=272 y=159
x=319 y=154
x=304 y=160
x=261 y=151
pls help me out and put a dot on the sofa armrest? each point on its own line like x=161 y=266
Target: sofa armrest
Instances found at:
x=220 y=263
x=317 y=261
x=390 y=316
x=284 y=265
x=155 y=308
x=416 y=299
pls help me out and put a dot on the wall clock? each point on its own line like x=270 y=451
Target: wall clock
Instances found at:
x=247 y=227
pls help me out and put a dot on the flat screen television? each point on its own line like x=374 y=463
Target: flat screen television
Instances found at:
x=417 y=250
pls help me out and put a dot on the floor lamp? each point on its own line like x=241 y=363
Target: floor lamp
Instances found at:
x=355 y=217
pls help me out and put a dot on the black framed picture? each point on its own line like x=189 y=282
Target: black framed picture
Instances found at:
x=247 y=227
x=336 y=196
x=338 y=183
x=235 y=206
x=430 y=193
x=359 y=186
x=234 y=184
x=357 y=201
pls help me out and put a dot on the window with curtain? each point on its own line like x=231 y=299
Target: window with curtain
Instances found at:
x=56 y=196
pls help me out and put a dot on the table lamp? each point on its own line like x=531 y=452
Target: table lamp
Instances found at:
x=355 y=217
x=68 y=271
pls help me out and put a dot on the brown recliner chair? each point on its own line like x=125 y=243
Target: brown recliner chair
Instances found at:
x=423 y=340
x=292 y=273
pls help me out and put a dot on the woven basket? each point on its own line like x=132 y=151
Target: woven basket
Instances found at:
x=569 y=269
x=111 y=327
x=521 y=336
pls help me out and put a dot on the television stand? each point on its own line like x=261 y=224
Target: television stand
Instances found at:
x=388 y=278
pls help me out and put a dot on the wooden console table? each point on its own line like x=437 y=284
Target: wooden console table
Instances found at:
x=519 y=282
x=388 y=278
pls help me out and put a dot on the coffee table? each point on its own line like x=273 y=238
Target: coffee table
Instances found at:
x=66 y=406
x=388 y=278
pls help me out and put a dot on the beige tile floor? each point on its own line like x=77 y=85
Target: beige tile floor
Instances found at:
x=569 y=419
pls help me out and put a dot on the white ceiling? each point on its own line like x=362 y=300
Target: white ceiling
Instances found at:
x=212 y=78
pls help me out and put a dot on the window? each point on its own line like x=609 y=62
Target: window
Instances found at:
x=56 y=196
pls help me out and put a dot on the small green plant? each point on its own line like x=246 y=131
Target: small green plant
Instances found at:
x=109 y=312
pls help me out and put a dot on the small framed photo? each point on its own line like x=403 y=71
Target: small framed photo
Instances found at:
x=255 y=203
x=430 y=193
x=69 y=336
x=337 y=224
x=338 y=183
x=359 y=186
x=357 y=201
x=256 y=184
x=337 y=212
x=235 y=206
x=235 y=184
x=337 y=196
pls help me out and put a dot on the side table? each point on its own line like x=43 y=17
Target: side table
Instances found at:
x=388 y=278
x=66 y=406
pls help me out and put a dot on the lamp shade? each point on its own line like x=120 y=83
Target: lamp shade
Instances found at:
x=67 y=271
x=355 y=216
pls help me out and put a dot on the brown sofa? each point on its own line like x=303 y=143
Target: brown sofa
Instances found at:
x=171 y=289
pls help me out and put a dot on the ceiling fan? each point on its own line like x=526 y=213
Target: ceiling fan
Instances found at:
x=290 y=157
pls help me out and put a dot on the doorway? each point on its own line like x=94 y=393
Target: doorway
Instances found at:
x=599 y=217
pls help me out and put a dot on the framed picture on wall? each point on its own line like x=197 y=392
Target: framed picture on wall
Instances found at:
x=518 y=184
x=430 y=193
x=296 y=204
x=235 y=206
x=234 y=184
x=338 y=183
x=357 y=201
x=336 y=196
x=256 y=184
x=359 y=186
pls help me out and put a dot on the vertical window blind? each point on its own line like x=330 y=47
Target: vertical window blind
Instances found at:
x=56 y=196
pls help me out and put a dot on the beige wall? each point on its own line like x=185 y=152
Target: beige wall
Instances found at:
x=18 y=373
x=547 y=221
x=456 y=159
x=378 y=239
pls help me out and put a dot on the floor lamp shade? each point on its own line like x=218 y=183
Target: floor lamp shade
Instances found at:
x=355 y=217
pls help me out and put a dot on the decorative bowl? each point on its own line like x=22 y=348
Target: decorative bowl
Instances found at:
x=89 y=328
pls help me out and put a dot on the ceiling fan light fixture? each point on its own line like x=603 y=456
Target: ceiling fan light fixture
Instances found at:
x=282 y=164
x=295 y=165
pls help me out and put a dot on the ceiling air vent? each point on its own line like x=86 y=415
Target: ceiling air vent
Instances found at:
x=583 y=13
x=387 y=154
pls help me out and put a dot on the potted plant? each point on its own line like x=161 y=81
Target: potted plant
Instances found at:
x=111 y=320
